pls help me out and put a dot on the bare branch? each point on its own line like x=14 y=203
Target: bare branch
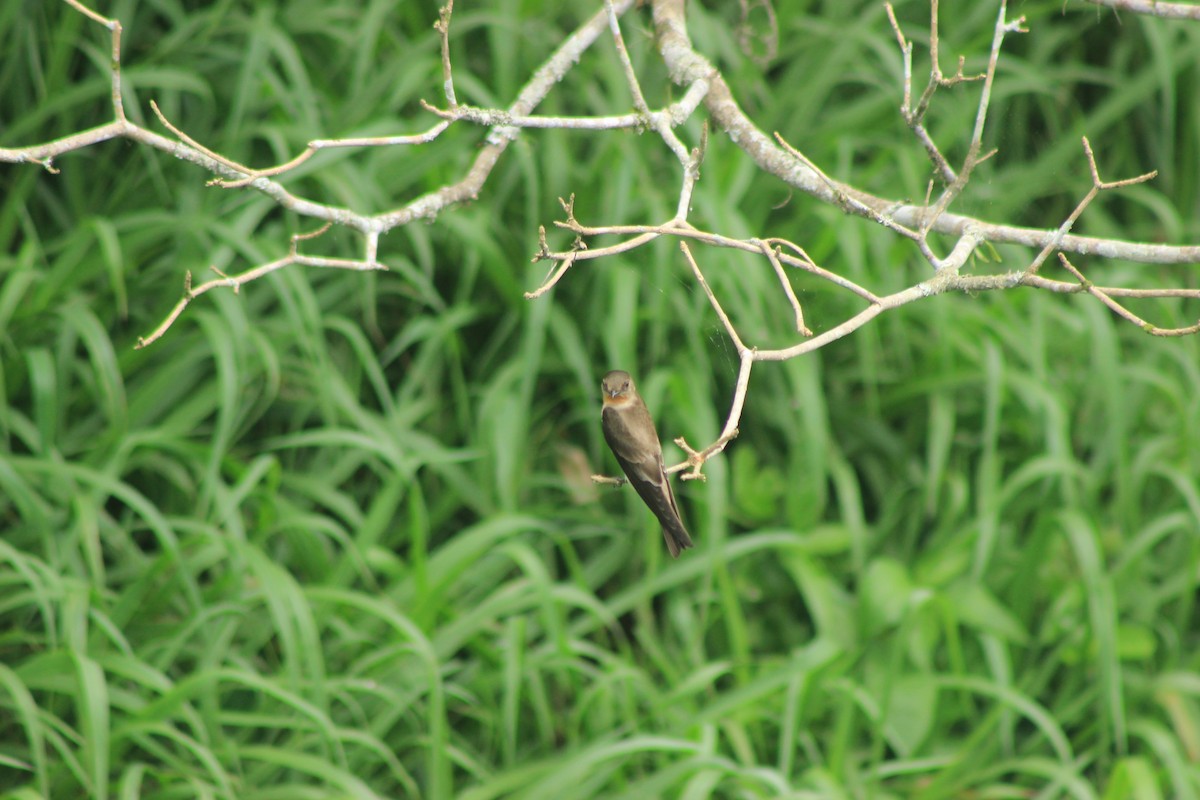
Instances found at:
x=912 y=118
x=114 y=26
x=552 y=278
x=1097 y=187
x=773 y=256
x=1153 y=8
x=1121 y=310
x=705 y=87
x=236 y=282
x=712 y=298
x=643 y=234
x=662 y=123
x=972 y=158
x=686 y=65
x=442 y=26
x=490 y=117
x=697 y=458
x=847 y=201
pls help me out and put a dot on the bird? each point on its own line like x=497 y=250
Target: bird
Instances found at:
x=630 y=434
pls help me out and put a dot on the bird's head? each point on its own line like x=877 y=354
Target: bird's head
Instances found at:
x=617 y=388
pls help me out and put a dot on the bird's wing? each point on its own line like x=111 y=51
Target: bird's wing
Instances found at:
x=634 y=442
x=631 y=435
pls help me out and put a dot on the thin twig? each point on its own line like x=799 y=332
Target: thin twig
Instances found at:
x=773 y=256
x=846 y=200
x=1121 y=310
x=697 y=458
x=644 y=234
x=551 y=279
x=442 y=26
x=712 y=298
x=1098 y=186
x=973 y=159
x=235 y=282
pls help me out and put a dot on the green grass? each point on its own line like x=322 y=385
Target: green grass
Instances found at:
x=332 y=537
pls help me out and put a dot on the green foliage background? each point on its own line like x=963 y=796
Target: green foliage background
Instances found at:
x=332 y=536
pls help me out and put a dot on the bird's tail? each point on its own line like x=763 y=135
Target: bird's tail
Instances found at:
x=676 y=536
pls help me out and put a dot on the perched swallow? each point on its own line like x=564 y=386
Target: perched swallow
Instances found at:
x=630 y=433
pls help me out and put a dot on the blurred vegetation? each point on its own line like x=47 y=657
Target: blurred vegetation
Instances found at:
x=332 y=537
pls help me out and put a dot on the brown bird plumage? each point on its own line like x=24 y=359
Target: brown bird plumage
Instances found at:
x=630 y=433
